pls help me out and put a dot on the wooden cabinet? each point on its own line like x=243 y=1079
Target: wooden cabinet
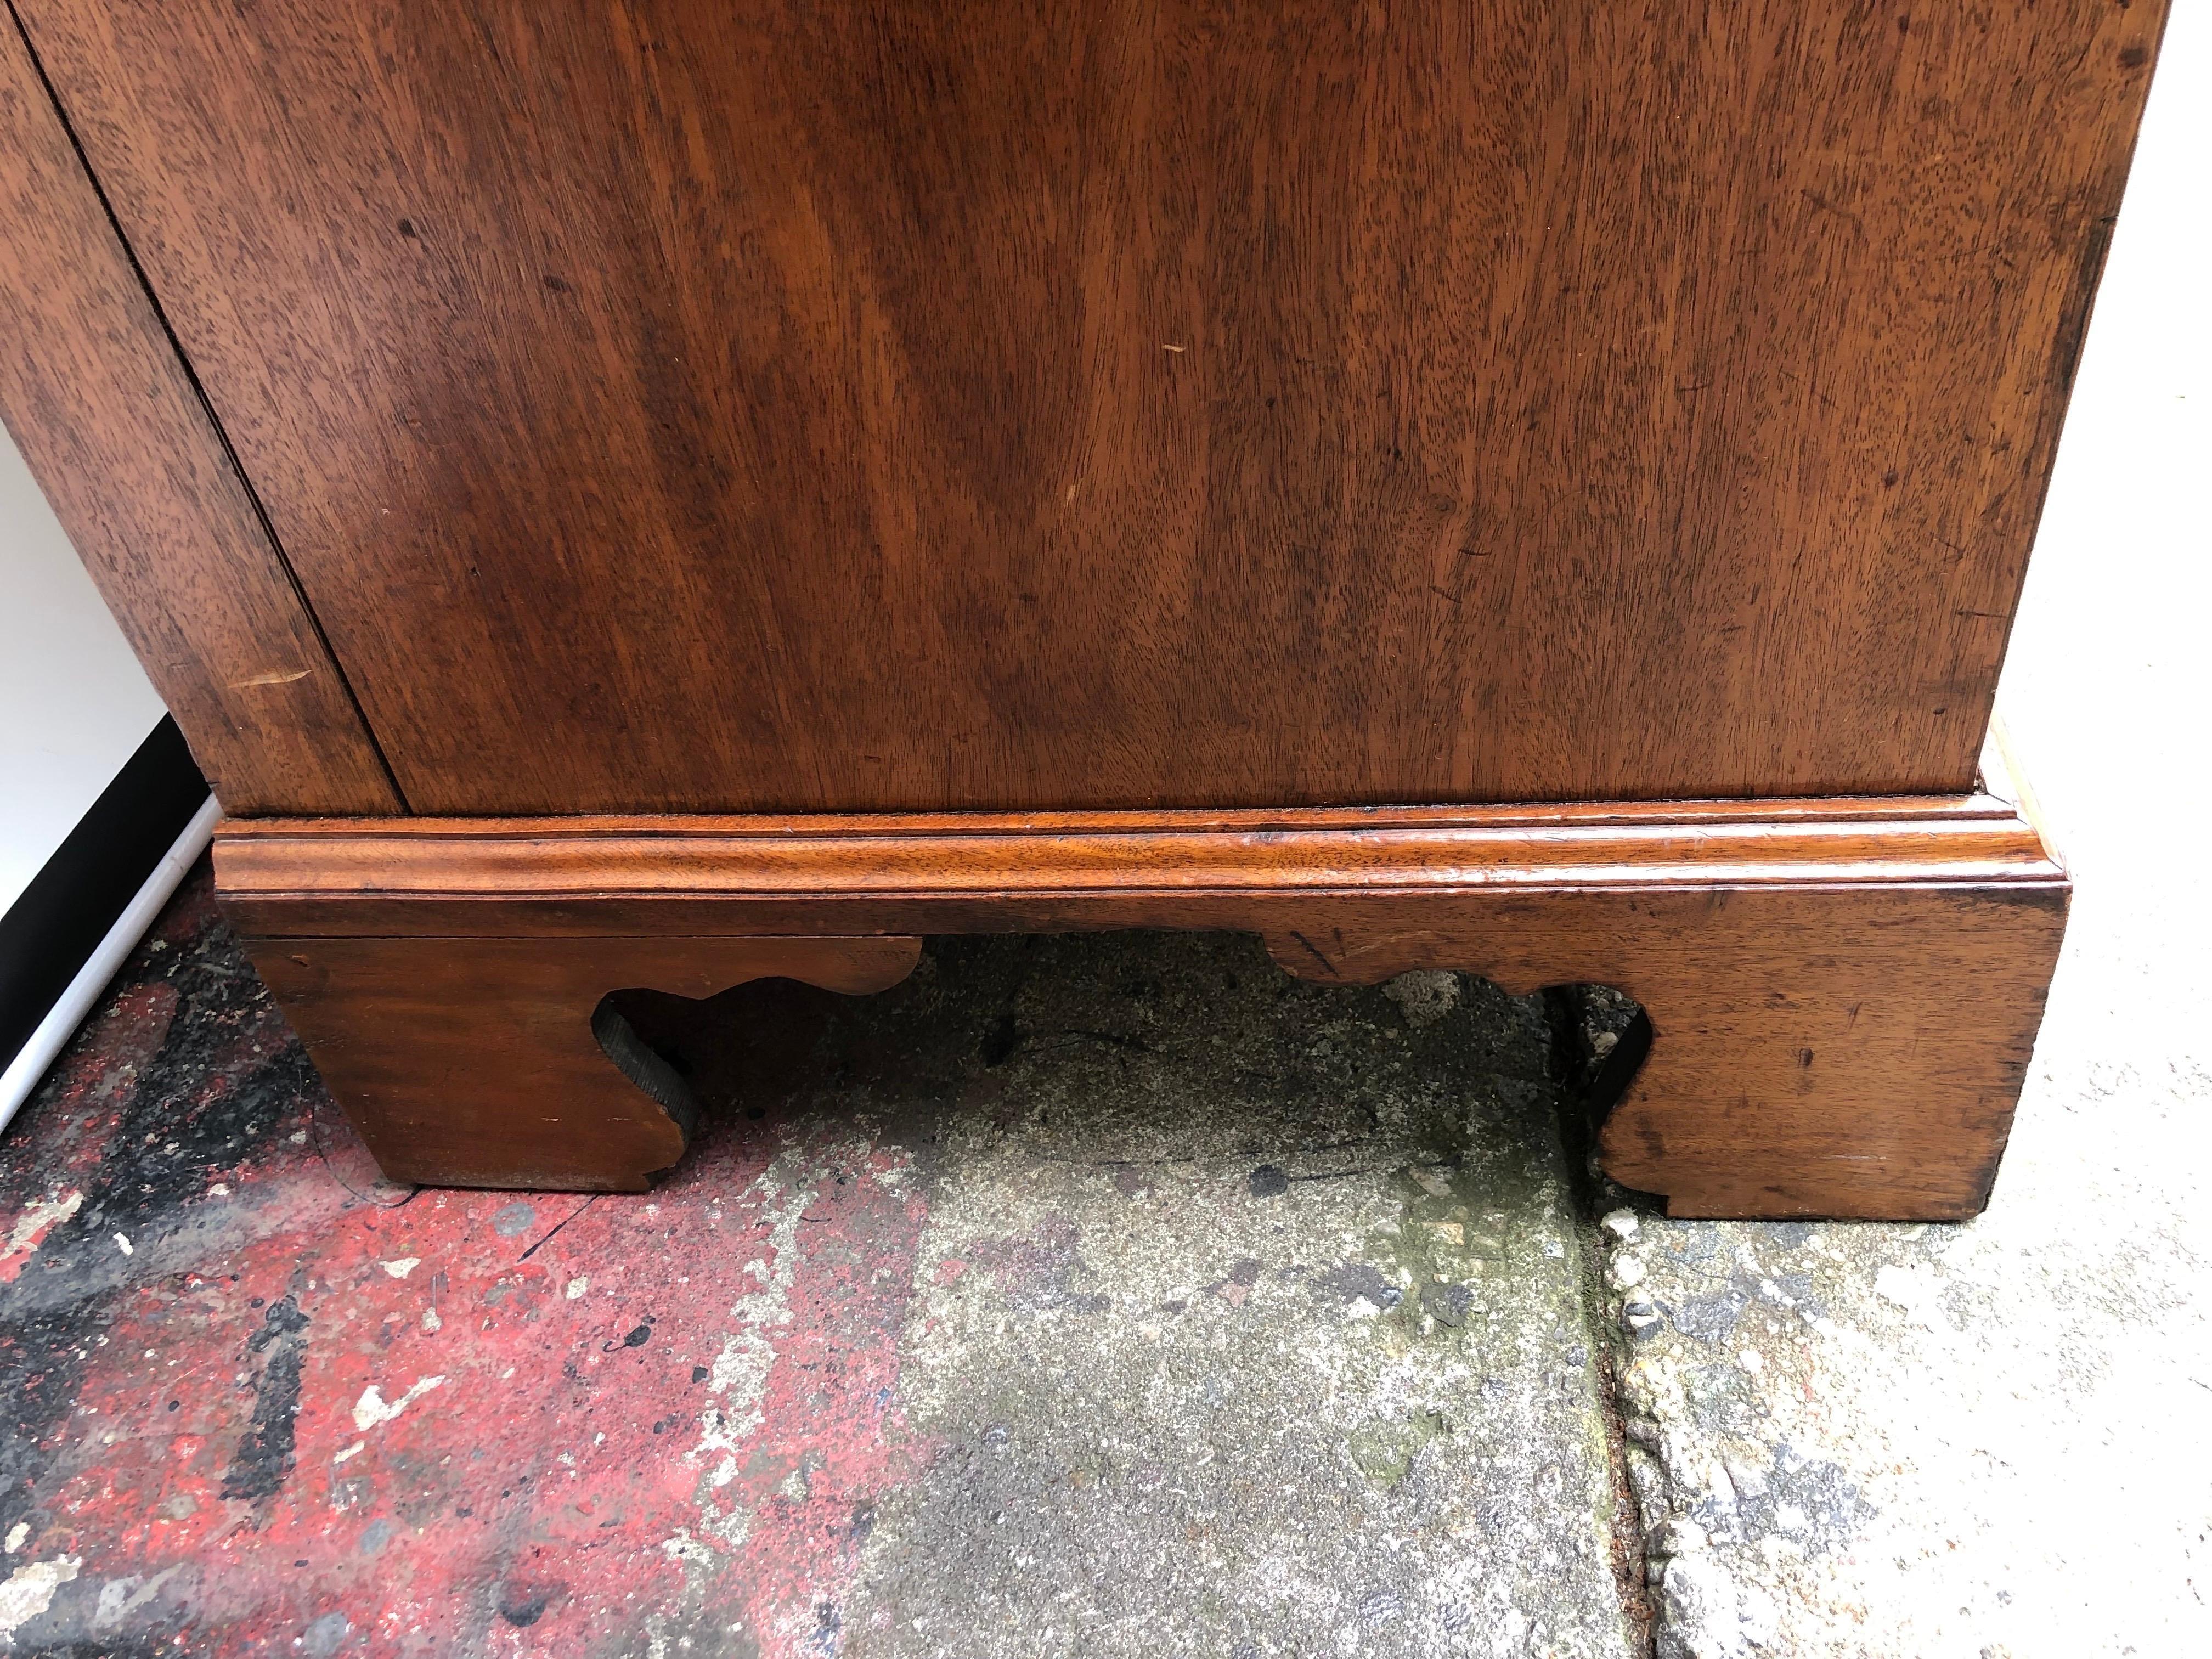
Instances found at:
x=1411 y=480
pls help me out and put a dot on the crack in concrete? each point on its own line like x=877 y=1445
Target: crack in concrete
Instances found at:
x=1593 y=1072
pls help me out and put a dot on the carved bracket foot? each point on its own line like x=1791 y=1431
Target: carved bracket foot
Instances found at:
x=1847 y=1053
x=506 y=1062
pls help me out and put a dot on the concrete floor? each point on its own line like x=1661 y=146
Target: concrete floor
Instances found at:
x=1113 y=1295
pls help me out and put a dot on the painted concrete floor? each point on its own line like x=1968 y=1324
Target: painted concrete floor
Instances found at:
x=1103 y=1296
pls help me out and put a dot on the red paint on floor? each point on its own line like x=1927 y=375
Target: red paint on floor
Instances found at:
x=305 y=1413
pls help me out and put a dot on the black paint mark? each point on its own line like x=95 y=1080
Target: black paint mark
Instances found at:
x=264 y=1455
x=524 y=1608
x=1268 y=1182
x=639 y=1337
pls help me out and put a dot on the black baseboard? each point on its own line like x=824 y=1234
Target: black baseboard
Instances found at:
x=52 y=929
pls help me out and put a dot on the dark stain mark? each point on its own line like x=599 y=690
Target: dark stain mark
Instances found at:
x=2073 y=329
x=1003 y=1038
x=1245 y=1272
x=638 y=1337
x=1889 y=479
x=700 y=1373
x=1448 y=1304
x=2134 y=57
x=556 y=284
x=407 y=229
x=1268 y=1182
x=1804 y=1057
x=264 y=1455
x=523 y=1609
x=1355 y=1279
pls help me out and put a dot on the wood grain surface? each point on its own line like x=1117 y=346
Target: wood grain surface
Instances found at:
x=115 y=433
x=491 y=1062
x=780 y=406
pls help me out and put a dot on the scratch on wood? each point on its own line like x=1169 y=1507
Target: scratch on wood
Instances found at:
x=1315 y=951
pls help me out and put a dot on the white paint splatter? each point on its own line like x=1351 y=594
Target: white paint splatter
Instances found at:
x=739 y=1376
x=372 y=1409
x=404 y=1265
x=430 y=1320
x=40 y=1219
x=221 y=1189
x=354 y=1449
x=30 y=1589
x=1915 y=1289
x=121 y=1597
x=16 y=1534
x=31 y=1229
x=576 y=1288
x=123 y=1243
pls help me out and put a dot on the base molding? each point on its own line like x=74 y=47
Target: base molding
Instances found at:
x=1843 y=993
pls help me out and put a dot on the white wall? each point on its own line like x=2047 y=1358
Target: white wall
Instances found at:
x=2107 y=689
x=74 y=703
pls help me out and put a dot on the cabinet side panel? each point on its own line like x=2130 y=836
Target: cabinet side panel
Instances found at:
x=115 y=433
x=769 y=406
